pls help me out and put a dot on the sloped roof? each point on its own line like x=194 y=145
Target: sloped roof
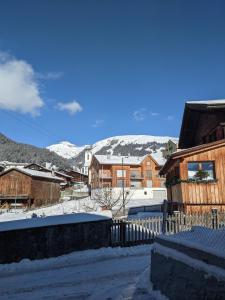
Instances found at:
x=119 y=160
x=34 y=173
x=208 y=102
x=199 y=118
x=47 y=170
x=190 y=151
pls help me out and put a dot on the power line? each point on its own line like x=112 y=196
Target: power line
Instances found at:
x=35 y=126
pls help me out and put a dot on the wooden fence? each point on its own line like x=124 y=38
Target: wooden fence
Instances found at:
x=143 y=231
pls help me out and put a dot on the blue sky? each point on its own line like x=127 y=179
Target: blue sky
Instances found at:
x=86 y=70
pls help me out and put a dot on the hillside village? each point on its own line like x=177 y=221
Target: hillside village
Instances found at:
x=137 y=199
x=112 y=150
x=145 y=181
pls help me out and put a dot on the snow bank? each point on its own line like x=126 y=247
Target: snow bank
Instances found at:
x=201 y=238
x=50 y=221
x=217 y=272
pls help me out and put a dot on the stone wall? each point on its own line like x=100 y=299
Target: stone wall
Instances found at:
x=54 y=240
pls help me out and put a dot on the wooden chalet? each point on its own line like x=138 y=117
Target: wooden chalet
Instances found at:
x=131 y=171
x=66 y=178
x=76 y=177
x=195 y=175
x=27 y=187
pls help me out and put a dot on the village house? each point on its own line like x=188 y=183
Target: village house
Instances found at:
x=67 y=179
x=130 y=172
x=170 y=147
x=195 y=175
x=76 y=176
x=28 y=188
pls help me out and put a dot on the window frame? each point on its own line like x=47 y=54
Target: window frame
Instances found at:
x=200 y=162
x=122 y=172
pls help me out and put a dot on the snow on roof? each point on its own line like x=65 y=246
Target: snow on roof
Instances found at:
x=202 y=238
x=51 y=221
x=35 y=173
x=157 y=156
x=63 y=174
x=117 y=160
x=210 y=102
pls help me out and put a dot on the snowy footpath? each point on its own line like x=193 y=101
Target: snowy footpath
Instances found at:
x=107 y=273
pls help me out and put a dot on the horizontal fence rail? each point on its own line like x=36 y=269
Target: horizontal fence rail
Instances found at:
x=143 y=231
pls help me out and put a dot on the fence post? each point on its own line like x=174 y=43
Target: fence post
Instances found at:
x=165 y=207
x=177 y=221
x=214 y=218
x=123 y=232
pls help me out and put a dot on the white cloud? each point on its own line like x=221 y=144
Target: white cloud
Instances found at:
x=97 y=123
x=71 y=107
x=19 y=89
x=140 y=114
x=50 y=75
x=170 y=118
x=154 y=114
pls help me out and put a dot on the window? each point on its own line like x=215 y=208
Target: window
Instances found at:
x=149 y=183
x=135 y=174
x=135 y=184
x=148 y=163
x=120 y=183
x=149 y=174
x=201 y=170
x=121 y=173
x=145 y=193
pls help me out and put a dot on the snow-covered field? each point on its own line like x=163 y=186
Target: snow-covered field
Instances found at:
x=107 y=273
x=66 y=207
x=69 y=207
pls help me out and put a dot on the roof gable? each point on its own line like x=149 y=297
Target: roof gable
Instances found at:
x=122 y=160
x=191 y=151
x=34 y=174
x=199 y=118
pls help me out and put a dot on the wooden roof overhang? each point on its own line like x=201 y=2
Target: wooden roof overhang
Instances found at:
x=198 y=119
x=187 y=152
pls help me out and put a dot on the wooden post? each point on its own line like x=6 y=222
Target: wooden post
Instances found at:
x=123 y=232
x=165 y=207
x=214 y=218
x=177 y=221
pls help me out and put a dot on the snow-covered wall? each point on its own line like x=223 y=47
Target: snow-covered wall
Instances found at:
x=181 y=269
x=49 y=237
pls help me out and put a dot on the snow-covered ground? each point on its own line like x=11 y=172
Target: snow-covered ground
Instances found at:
x=69 y=207
x=107 y=273
x=66 y=207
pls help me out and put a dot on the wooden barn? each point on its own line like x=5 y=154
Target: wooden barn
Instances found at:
x=195 y=175
x=65 y=177
x=26 y=187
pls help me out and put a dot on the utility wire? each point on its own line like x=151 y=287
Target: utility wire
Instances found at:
x=34 y=125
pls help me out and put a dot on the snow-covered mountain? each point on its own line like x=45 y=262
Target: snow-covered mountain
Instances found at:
x=134 y=145
x=66 y=149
